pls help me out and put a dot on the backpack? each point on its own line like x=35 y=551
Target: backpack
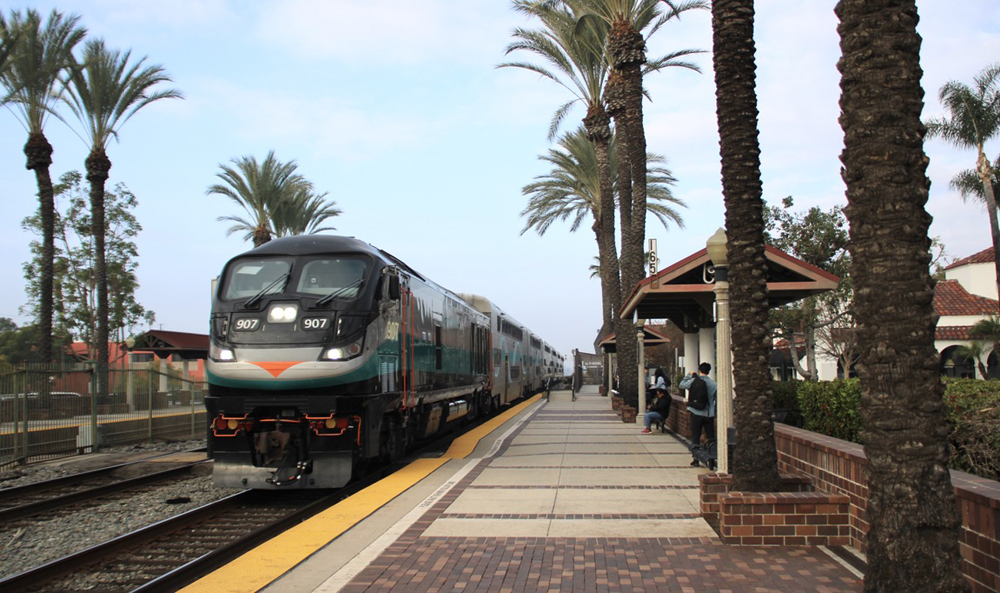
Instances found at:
x=698 y=394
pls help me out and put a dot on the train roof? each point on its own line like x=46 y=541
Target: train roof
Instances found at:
x=320 y=244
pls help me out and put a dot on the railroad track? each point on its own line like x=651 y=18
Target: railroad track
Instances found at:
x=22 y=502
x=209 y=535
x=170 y=554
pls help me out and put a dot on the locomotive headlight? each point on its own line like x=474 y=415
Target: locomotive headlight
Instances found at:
x=282 y=313
x=344 y=352
x=220 y=354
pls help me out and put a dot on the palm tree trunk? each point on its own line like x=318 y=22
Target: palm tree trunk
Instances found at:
x=986 y=176
x=626 y=348
x=912 y=542
x=629 y=54
x=98 y=165
x=598 y=127
x=755 y=468
x=39 y=158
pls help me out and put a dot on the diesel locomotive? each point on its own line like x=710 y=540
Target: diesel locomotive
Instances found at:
x=328 y=354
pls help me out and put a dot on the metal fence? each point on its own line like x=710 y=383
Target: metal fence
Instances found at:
x=50 y=411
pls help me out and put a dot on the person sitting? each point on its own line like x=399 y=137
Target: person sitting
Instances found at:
x=658 y=410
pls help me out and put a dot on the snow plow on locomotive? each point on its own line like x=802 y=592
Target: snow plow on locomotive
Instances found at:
x=327 y=353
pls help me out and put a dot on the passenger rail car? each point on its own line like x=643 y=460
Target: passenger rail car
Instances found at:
x=327 y=353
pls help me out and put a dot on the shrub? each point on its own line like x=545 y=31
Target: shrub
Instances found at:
x=974 y=422
x=972 y=406
x=832 y=408
x=785 y=400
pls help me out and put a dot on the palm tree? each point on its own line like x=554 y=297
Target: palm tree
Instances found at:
x=987 y=329
x=974 y=352
x=9 y=40
x=912 y=541
x=623 y=95
x=261 y=189
x=756 y=466
x=32 y=82
x=303 y=214
x=975 y=119
x=571 y=190
x=967 y=183
x=104 y=94
x=579 y=65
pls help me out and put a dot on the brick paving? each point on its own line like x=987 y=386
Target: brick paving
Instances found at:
x=423 y=559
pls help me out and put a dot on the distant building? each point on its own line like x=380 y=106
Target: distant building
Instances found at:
x=967 y=294
x=182 y=352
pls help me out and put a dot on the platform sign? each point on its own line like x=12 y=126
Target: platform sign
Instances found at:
x=653 y=262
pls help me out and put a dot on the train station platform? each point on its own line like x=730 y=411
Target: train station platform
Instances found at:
x=554 y=495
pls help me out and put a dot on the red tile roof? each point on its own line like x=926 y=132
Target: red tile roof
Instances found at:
x=952 y=332
x=951 y=298
x=983 y=257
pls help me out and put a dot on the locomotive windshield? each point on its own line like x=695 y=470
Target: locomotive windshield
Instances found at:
x=252 y=278
x=340 y=277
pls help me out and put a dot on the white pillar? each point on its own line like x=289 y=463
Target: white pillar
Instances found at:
x=610 y=379
x=642 y=373
x=724 y=401
x=691 y=353
x=706 y=348
x=164 y=367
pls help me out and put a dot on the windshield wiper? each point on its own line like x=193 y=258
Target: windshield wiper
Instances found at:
x=340 y=292
x=253 y=300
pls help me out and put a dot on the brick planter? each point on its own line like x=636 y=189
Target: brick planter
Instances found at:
x=616 y=403
x=784 y=519
x=796 y=517
x=628 y=414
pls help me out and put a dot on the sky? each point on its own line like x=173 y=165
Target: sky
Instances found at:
x=397 y=110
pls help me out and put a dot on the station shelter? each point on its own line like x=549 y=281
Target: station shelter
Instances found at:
x=185 y=352
x=684 y=294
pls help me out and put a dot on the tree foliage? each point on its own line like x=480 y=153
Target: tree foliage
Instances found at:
x=820 y=238
x=278 y=200
x=18 y=345
x=75 y=286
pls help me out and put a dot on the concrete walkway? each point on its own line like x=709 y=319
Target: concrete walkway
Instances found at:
x=568 y=498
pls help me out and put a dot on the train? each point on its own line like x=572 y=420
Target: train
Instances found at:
x=328 y=354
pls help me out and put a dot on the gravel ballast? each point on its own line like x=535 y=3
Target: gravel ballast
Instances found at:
x=25 y=548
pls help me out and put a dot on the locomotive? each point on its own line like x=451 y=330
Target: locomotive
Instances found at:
x=327 y=354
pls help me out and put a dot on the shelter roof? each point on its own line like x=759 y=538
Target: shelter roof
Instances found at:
x=164 y=343
x=651 y=337
x=684 y=292
x=951 y=298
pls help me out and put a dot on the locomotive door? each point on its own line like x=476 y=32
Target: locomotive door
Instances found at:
x=407 y=342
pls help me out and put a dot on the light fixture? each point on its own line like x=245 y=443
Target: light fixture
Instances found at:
x=220 y=354
x=282 y=313
x=345 y=352
x=717 y=249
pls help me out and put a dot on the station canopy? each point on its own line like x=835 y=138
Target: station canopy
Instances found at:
x=184 y=346
x=650 y=337
x=684 y=292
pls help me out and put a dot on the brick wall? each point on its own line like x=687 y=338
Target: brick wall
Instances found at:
x=783 y=519
x=837 y=466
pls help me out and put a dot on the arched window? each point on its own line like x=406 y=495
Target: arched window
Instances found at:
x=953 y=364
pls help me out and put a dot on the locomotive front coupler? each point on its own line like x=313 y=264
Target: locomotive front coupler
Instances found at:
x=294 y=448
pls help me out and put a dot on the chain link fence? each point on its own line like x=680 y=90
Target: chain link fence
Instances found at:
x=50 y=411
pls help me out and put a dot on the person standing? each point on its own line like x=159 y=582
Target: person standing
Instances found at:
x=659 y=380
x=702 y=394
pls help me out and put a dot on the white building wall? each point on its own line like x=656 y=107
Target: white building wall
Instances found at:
x=958 y=320
x=980 y=279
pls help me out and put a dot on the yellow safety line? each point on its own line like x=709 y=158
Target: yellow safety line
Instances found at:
x=261 y=566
